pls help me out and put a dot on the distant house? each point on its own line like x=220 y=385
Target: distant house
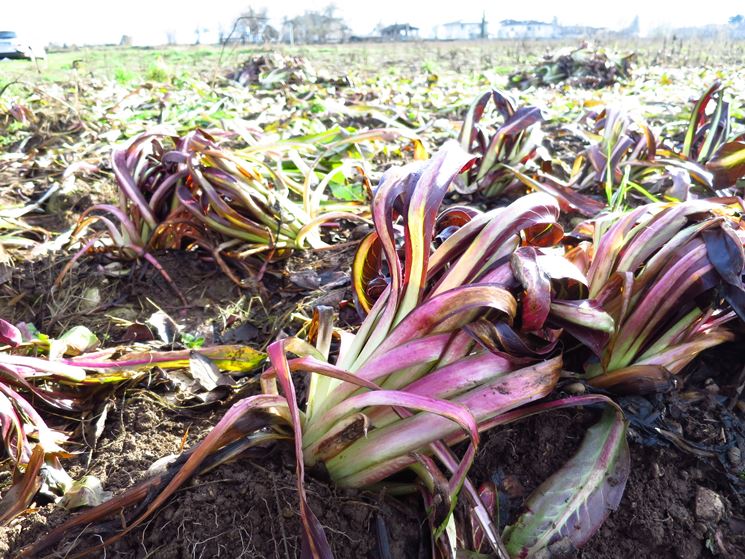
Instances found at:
x=460 y=30
x=527 y=29
x=314 y=27
x=579 y=32
x=399 y=32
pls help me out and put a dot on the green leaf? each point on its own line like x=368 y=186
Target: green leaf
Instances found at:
x=348 y=192
x=192 y=341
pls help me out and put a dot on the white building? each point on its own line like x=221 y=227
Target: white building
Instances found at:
x=529 y=29
x=461 y=31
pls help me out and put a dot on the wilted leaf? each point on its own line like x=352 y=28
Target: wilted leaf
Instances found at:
x=86 y=492
x=165 y=326
x=19 y=496
x=206 y=373
x=75 y=341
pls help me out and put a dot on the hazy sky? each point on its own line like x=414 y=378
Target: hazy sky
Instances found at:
x=148 y=21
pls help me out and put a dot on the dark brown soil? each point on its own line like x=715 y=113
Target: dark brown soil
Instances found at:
x=106 y=295
x=247 y=508
x=657 y=517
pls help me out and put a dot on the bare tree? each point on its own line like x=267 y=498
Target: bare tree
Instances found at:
x=318 y=27
x=269 y=34
x=249 y=26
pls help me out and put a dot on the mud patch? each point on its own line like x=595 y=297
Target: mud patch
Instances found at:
x=658 y=517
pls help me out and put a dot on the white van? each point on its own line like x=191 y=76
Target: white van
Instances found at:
x=13 y=47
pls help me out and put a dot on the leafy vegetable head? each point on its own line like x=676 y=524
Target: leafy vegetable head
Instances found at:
x=671 y=276
x=460 y=338
x=585 y=66
x=515 y=143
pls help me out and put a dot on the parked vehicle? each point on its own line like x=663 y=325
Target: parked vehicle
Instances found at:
x=11 y=46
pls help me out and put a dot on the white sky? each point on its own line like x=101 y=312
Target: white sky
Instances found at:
x=148 y=21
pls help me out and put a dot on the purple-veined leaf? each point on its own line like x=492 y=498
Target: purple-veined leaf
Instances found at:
x=454 y=412
x=725 y=251
x=468 y=130
x=489 y=497
x=516 y=124
x=519 y=347
x=430 y=316
x=225 y=357
x=366 y=269
x=120 y=162
x=698 y=118
x=465 y=374
x=515 y=142
x=315 y=545
x=501 y=227
x=424 y=204
x=586 y=320
x=451 y=219
x=607 y=244
x=575 y=501
x=385 y=450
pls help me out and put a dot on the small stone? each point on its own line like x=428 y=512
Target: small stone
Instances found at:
x=709 y=505
x=679 y=513
x=512 y=486
x=675 y=427
x=696 y=473
x=91 y=299
x=734 y=455
x=562 y=549
x=360 y=231
x=128 y=314
x=575 y=388
x=657 y=470
x=700 y=530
